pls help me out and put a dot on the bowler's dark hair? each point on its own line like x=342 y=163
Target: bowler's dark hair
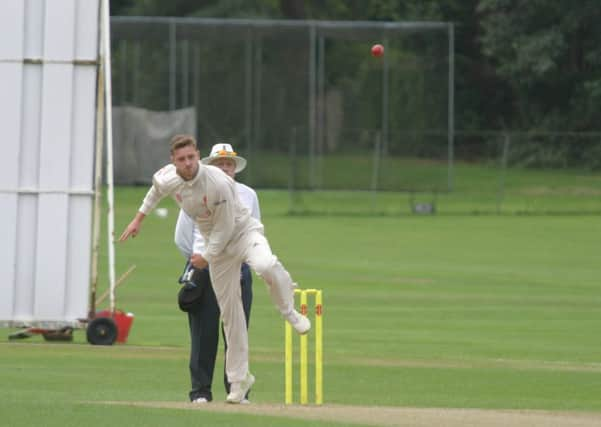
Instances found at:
x=179 y=141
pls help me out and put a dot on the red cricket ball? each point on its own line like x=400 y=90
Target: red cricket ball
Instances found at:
x=377 y=50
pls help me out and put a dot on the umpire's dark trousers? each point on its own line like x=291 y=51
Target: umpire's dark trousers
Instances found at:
x=204 y=332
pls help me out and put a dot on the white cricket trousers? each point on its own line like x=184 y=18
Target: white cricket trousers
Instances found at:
x=252 y=248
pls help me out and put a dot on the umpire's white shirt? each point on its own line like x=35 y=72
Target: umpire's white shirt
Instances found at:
x=187 y=236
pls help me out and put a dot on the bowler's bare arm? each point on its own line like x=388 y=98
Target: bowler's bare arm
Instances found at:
x=133 y=228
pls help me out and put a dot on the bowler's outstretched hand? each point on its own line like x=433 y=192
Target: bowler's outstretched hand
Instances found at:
x=133 y=227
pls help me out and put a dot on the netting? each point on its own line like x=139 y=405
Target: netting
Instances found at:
x=252 y=82
x=140 y=136
x=491 y=173
x=342 y=131
x=525 y=173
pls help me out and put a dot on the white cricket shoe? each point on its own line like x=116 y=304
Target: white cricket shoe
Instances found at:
x=238 y=390
x=300 y=323
x=200 y=400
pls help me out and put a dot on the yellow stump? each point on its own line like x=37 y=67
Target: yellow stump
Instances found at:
x=318 y=349
x=303 y=351
x=304 y=395
x=288 y=356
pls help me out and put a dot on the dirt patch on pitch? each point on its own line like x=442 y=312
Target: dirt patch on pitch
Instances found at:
x=393 y=417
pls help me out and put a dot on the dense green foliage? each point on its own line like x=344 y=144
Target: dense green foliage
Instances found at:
x=549 y=54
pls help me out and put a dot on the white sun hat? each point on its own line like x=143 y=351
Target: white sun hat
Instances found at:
x=220 y=151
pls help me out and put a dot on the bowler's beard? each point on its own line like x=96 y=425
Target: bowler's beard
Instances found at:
x=188 y=173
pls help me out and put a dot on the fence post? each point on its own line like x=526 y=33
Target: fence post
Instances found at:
x=376 y=169
x=185 y=70
x=312 y=103
x=248 y=102
x=135 y=73
x=321 y=111
x=123 y=83
x=172 y=64
x=292 y=171
x=258 y=88
x=385 y=100
x=501 y=191
x=451 y=109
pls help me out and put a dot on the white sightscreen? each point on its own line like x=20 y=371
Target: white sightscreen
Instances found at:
x=48 y=70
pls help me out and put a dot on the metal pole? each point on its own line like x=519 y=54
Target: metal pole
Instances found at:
x=385 y=99
x=321 y=118
x=248 y=104
x=312 y=104
x=258 y=75
x=501 y=192
x=135 y=73
x=196 y=83
x=97 y=176
x=451 y=108
x=376 y=169
x=292 y=169
x=123 y=80
x=172 y=64
x=186 y=74
x=109 y=150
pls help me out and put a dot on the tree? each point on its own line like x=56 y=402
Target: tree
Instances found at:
x=548 y=53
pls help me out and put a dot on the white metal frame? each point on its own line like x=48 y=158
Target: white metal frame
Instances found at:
x=57 y=114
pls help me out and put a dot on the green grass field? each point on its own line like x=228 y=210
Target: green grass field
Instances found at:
x=479 y=187
x=492 y=312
